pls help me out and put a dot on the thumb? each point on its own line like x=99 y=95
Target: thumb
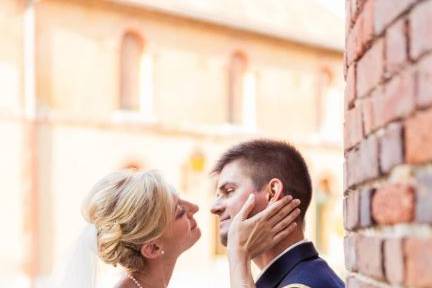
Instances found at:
x=247 y=207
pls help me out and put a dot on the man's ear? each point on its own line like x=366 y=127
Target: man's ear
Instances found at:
x=151 y=250
x=275 y=189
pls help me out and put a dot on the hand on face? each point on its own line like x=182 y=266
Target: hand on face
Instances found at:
x=252 y=236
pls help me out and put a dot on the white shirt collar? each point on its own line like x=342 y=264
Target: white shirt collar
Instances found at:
x=280 y=255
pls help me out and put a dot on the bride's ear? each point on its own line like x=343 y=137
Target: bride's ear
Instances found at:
x=151 y=250
x=274 y=190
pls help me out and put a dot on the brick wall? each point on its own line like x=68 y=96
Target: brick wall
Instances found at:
x=388 y=143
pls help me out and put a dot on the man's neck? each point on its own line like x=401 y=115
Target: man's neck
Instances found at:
x=265 y=258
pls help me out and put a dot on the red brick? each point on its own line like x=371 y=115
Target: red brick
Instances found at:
x=391 y=147
x=386 y=11
x=424 y=83
x=353 y=127
x=351 y=210
x=370 y=69
x=350 y=252
x=420 y=29
x=366 y=195
x=354 y=9
x=418 y=253
x=353 y=45
x=348 y=18
x=398 y=100
x=345 y=69
x=350 y=89
x=362 y=164
x=353 y=282
x=369 y=256
x=418 y=138
x=369 y=107
x=352 y=170
x=367 y=115
x=345 y=177
x=424 y=196
x=396 y=46
x=367 y=24
x=393 y=204
x=361 y=34
x=368 y=158
x=394 y=261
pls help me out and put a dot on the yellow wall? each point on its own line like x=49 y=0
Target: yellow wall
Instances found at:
x=79 y=53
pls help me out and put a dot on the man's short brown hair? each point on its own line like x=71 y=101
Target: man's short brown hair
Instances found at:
x=266 y=159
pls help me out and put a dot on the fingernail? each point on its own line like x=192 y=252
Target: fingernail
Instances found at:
x=297 y=201
x=289 y=197
x=251 y=196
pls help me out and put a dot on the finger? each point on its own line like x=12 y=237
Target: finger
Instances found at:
x=282 y=213
x=247 y=207
x=274 y=207
x=284 y=233
x=281 y=225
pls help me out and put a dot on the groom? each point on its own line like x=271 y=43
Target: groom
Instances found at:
x=272 y=169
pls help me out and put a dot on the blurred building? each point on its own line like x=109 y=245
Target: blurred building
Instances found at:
x=89 y=86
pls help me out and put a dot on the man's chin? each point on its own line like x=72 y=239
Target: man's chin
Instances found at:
x=224 y=239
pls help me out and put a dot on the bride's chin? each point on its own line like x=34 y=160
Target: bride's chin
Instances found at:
x=196 y=236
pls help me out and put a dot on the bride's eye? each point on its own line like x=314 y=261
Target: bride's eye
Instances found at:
x=180 y=212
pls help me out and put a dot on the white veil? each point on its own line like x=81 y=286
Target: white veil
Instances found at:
x=80 y=267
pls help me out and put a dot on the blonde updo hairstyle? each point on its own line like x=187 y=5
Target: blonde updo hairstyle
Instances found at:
x=128 y=208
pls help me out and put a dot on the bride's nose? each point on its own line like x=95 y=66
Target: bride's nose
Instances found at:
x=192 y=208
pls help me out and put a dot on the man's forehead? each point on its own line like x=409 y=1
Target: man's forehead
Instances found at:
x=232 y=172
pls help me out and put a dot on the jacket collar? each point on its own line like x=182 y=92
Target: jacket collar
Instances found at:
x=282 y=266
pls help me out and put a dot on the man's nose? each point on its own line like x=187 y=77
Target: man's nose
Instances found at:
x=217 y=207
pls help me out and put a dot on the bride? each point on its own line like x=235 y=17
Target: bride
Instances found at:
x=139 y=223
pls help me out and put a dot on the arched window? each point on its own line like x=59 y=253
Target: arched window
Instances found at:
x=136 y=75
x=241 y=91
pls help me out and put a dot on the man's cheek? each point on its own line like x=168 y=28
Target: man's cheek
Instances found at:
x=259 y=206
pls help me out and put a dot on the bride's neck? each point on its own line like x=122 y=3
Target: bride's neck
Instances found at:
x=157 y=274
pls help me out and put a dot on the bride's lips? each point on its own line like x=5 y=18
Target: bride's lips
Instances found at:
x=194 y=225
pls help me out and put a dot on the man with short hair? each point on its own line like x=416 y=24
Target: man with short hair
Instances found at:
x=269 y=170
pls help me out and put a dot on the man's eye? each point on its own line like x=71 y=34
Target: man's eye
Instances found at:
x=230 y=190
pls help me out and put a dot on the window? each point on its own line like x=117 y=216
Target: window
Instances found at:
x=136 y=75
x=241 y=92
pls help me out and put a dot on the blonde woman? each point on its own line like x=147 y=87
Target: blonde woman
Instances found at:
x=139 y=223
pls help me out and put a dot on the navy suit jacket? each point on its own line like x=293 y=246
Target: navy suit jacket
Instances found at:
x=300 y=265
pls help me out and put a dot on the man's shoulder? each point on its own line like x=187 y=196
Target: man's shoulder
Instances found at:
x=314 y=273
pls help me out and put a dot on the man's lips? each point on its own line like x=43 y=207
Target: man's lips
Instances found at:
x=224 y=220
